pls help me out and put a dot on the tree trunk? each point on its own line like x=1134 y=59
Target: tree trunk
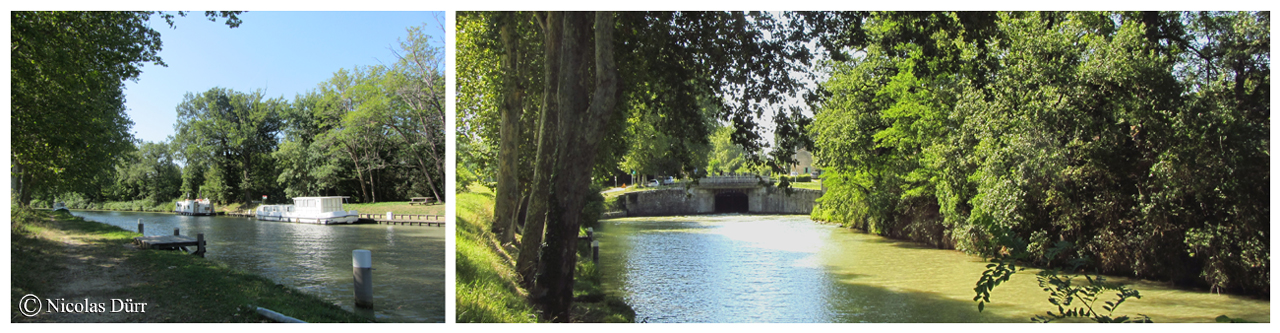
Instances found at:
x=373 y=186
x=508 y=191
x=244 y=179
x=364 y=195
x=580 y=125
x=535 y=219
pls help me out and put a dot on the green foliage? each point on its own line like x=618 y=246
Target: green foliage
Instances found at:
x=464 y=179
x=144 y=205
x=593 y=206
x=1059 y=284
x=234 y=132
x=373 y=133
x=1062 y=293
x=725 y=157
x=1140 y=136
x=68 y=71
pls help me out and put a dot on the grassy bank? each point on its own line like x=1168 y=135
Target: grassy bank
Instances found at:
x=397 y=207
x=128 y=206
x=56 y=255
x=488 y=290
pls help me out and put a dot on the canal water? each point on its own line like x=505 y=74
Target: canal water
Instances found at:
x=408 y=261
x=754 y=268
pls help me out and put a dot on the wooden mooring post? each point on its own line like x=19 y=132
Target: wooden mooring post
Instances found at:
x=199 y=244
x=140 y=227
x=595 y=245
x=595 y=252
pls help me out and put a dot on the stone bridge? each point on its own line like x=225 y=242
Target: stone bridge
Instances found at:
x=725 y=194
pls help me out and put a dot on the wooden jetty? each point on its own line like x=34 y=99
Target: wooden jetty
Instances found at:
x=406 y=219
x=173 y=242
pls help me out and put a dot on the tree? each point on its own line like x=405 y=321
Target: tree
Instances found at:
x=305 y=166
x=147 y=173
x=420 y=121
x=535 y=223
x=668 y=65
x=584 y=110
x=67 y=95
x=235 y=132
x=1008 y=132
x=509 y=111
x=725 y=156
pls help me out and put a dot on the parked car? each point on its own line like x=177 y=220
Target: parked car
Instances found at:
x=669 y=181
x=653 y=183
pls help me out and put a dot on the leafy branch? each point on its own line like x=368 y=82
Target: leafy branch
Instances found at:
x=1062 y=291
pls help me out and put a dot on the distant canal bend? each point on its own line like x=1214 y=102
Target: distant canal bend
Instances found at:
x=761 y=268
x=408 y=261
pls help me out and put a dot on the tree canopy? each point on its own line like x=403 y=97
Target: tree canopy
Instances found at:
x=1141 y=138
x=67 y=92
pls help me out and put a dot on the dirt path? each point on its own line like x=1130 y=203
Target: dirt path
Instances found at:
x=95 y=270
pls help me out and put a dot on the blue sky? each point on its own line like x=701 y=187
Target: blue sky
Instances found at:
x=282 y=53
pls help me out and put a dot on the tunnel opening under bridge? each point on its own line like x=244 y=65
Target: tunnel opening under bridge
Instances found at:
x=731 y=202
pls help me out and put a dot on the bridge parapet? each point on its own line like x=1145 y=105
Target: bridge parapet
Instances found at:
x=730 y=182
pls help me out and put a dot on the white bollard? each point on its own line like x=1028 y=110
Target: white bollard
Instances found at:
x=362 y=272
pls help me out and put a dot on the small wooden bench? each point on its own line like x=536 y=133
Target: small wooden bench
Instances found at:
x=421 y=201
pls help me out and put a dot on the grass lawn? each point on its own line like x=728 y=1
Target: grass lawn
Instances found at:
x=397 y=207
x=813 y=185
x=487 y=291
x=56 y=255
x=487 y=287
x=633 y=188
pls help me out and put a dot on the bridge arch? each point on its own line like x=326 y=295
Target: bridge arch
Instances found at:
x=731 y=202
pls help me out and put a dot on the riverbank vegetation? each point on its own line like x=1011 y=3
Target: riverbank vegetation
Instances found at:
x=1141 y=139
x=488 y=288
x=1138 y=137
x=56 y=255
x=374 y=133
x=552 y=105
x=398 y=207
x=68 y=71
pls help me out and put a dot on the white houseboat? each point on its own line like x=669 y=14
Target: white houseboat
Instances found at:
x=317 y=210
x=193 y=207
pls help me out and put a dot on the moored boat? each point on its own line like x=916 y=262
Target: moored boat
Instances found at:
x=57 y=206
x=193 y=207
x=315 y=210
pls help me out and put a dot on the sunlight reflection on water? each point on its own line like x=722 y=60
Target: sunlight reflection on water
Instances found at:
x=757 y=268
